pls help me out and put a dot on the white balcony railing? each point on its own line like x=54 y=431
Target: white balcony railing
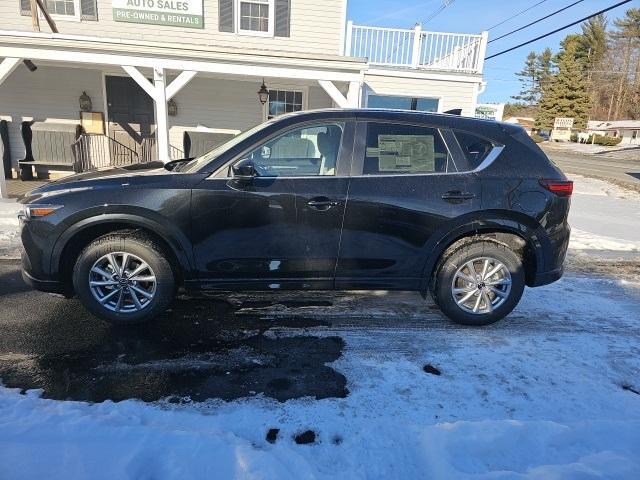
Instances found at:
x=415 y=48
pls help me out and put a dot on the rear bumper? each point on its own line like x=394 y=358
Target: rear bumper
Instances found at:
x=545 y=278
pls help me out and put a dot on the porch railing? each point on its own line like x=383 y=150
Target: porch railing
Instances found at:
x=93 y=151
x=415 y=48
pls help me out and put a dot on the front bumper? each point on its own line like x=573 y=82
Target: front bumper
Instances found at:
x=49 y=286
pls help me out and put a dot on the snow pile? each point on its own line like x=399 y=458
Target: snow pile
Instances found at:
x=9 y=237
x=581 y=240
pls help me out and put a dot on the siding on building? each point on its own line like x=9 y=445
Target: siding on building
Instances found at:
x=48 y=94
x=452 y=94
x=316 y=27
x=51 y=93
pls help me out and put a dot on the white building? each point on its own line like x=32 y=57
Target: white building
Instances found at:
x=153 y=73
x=628 y=130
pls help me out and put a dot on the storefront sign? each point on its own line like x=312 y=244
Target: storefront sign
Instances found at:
x=176 y=13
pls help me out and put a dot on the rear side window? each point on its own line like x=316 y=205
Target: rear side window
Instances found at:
x=393 y=149
x=474 y=148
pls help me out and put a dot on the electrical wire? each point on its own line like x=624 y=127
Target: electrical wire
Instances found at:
x=516 y=15
x=557 y=30
x=437 y=12
x=536 y=21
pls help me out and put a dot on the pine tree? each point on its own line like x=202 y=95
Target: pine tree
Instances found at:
x=566 y=94
x=529 y=79
x=544 y=69
x=592 y=44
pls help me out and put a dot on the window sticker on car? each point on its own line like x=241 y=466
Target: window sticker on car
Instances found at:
x=404 y=152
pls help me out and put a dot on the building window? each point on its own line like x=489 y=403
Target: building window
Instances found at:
x=63 y=8
x=255 y=17
x=283 y=101
x=404 y=103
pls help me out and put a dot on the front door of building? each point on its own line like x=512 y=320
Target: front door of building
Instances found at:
x=131 y=121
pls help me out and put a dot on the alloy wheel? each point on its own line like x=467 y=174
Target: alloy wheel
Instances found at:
x=122 y=282
x=481 y=285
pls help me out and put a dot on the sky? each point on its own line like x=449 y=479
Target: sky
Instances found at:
x=474 y=16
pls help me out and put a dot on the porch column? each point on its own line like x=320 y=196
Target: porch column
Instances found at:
x=161 y=93
x=7 y=66
x=162 y=116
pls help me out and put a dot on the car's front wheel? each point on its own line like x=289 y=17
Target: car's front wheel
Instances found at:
x=479 y=283
x=124 y=278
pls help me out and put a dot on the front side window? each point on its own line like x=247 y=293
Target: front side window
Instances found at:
x=67 y=8
x=308 y=151
x=396 y=149
x=283 y=101
x=404 y=103
x=255 y=16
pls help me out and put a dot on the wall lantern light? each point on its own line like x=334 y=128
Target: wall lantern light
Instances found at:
x=85 y=102
x=172 y=108
x=263 y=93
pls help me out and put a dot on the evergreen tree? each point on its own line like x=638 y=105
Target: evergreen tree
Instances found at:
x=566 y=94
x=592 y=44
x=529 y=80
x=544 y=67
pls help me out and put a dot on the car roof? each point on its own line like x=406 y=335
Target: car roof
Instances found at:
x=444 y=120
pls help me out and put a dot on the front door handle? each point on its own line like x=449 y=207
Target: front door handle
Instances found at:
x=456 y=196
x=322 y=203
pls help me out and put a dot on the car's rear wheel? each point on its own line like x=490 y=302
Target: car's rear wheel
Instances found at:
x=478 y=283
x=124 y=278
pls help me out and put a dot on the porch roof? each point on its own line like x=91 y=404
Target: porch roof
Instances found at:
x=174 y=56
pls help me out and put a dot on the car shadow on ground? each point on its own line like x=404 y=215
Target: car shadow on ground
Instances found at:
x=198 y=350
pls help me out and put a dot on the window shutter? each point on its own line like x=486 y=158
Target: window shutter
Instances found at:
x=225 y=15
x=25 y=7
x=283 y=18
x=88 y=10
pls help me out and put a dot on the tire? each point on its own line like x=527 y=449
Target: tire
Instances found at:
x=483 y=291
x=95 y=264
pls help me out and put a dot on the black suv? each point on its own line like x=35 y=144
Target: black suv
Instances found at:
x=470 y=210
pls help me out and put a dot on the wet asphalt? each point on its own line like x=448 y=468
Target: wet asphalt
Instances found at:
x=203 y=348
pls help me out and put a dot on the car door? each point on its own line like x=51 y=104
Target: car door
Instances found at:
x=282 y=228
x=405 y=189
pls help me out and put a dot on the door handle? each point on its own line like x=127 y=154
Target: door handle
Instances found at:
x=322 y=203
x=456 y=196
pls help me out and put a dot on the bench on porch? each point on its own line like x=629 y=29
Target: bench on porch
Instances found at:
x=48 y=145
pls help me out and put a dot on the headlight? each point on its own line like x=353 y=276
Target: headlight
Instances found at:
x=37 y=211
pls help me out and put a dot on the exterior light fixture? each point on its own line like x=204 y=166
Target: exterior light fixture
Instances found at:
x=85 y=102
x=172 y=108
x=263 y=93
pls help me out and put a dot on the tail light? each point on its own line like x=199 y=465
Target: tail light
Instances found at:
x=562 y=188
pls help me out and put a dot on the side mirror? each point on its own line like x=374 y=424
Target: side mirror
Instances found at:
x=244 y=170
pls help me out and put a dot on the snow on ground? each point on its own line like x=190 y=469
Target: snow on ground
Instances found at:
x=9 y=239
x=549 y=392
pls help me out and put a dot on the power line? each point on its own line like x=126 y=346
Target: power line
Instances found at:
x=516 y=15
x=536 y=21
x=558 y=29
x=445 y=4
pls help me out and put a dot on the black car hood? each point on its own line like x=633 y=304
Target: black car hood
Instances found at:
x=87 y=180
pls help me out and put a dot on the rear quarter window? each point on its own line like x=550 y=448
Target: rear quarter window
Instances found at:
x=475 y=148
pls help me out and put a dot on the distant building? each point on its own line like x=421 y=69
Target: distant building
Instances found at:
x=628 y=130
x=525 y=122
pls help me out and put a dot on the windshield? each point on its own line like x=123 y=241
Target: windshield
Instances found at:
x=199 y=162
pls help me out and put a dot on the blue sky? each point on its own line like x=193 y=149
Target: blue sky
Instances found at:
x=473 y=16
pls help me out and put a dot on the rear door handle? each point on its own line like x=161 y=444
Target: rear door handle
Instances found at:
x=454 y=196
x=322 y=203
